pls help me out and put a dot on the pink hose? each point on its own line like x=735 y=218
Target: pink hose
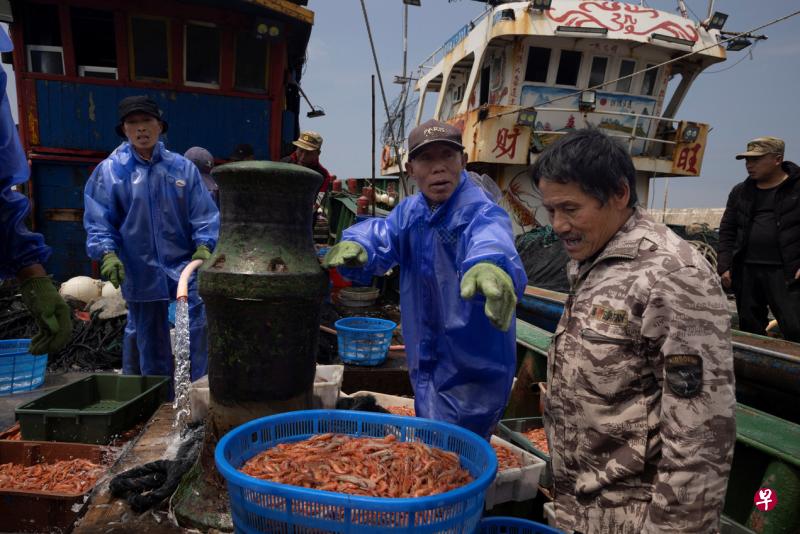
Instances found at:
x=183 y=281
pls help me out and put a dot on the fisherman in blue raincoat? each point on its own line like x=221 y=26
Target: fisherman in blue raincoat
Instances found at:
x=22 y=252
x=451 y=241
x=147 y=214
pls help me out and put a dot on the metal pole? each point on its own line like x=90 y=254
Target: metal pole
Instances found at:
x=405 y=82
x=372 y=181
x=383 y=93
x=666 y=194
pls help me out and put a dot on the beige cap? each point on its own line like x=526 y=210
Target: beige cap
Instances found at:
x=309 y=141
x=763 y=145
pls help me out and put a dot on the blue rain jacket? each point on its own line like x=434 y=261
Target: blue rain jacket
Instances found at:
x=461 y=367
x=19 y=247
x=152 y=214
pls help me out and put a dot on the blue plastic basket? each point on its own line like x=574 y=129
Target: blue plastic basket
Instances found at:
x=364 y=340
x=513 y=525
x=19 y=369
x=262 y=506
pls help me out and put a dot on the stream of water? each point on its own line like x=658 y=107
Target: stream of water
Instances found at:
x=182 y=378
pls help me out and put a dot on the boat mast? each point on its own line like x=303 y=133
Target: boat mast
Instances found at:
x=682 y=9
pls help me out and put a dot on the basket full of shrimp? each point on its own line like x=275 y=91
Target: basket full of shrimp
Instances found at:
x=348 y=471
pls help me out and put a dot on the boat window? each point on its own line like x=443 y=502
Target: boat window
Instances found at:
x=95 y=43
x=486 y=75
x=45 y=53
x=626 y=68
x=456 y=87
x=251 y=63
x=201 y=49
x=428 y=99
x=568 y=68
x=598 y=73
x=458 y=93
x=538 y=64
x=151 y=48
x=649 y=81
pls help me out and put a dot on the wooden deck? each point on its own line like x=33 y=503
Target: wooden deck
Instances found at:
x=106 y=514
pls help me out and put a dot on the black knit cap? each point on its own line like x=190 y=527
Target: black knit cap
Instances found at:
x=139 y=104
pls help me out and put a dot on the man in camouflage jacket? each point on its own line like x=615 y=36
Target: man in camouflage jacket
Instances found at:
x=639 y=411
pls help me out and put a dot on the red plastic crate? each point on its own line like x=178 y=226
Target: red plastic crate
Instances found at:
x=43 y=511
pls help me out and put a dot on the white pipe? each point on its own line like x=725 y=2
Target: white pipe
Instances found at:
x=183 y=281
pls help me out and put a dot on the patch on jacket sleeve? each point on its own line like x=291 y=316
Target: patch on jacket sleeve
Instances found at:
x=684 y=374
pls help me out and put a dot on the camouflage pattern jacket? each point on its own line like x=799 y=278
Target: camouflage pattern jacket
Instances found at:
x=640 y=408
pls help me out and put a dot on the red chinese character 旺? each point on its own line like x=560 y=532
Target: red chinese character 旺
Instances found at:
x=687 y=159
x=506 y=142
x=765 y=499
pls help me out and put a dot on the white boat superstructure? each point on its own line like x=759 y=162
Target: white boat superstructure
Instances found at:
x=517 y=77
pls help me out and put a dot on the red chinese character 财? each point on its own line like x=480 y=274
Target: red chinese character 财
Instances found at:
x=506 y=142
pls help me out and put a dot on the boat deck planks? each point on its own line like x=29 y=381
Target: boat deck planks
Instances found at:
x=106 y=514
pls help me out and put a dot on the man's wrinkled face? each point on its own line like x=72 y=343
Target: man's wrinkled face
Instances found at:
x=437 y=169
x=307 y=157
x=762 y=167
x=142 y=131
x=581 y=221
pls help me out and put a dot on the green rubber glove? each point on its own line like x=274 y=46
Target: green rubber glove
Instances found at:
x=202 y=253
x=498 y=288
x=347 y=253
x=51 y=313
x=112 y=269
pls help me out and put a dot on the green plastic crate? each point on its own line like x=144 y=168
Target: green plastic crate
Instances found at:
x=94 y=409
x=511 y=430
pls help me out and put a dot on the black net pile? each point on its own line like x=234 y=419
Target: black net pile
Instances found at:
x=702 y=237
x=96 y=344
x=15 y=321
x=544 y=258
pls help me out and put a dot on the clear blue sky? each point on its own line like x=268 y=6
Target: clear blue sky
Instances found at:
x=758 y=96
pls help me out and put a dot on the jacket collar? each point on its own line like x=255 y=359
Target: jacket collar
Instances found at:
x=625 y=244
x=158 y=153
x=792 y=172
x=447 y=205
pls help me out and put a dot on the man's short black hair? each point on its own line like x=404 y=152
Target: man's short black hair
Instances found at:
x=590 y=158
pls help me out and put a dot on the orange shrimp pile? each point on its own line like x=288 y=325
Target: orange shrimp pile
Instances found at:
x=401 y=410
x=538 y=438
x=375 y=467
x=505 y=458
x=66 y=476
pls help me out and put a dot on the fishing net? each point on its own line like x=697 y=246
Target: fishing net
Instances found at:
x=96 y=342
x=702 y=237
x=544 y=259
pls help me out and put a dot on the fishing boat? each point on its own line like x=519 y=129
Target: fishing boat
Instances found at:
x=224 y=73
x=522 y=74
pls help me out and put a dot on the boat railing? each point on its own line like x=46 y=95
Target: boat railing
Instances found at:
x=451 y=43
x=665 y=136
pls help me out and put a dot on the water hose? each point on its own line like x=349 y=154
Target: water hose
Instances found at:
x=183 y=281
